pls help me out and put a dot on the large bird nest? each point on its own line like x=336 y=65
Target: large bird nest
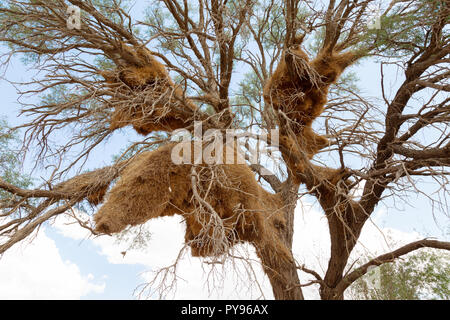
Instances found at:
x=145 y=96
x=222 y=205
x=91 y=185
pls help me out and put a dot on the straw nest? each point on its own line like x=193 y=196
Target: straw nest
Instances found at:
x=299 y=88
x=222 y=204
x=152 y=101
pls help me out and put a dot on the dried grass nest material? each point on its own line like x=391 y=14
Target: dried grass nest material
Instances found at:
x=153 y=186
x=154 y=102
x=299 y=88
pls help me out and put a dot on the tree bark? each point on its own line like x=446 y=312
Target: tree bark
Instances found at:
x=283 y=275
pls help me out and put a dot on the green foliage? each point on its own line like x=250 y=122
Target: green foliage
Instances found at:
x=10 y=161
x=421 y=275
x=403 y=30
x=347 y=82
x=103 y=63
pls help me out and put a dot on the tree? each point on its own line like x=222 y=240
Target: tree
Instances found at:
x=421 y=275
x=109 y=71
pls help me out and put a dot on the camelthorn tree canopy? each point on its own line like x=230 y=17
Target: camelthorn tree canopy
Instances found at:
x=257 y=66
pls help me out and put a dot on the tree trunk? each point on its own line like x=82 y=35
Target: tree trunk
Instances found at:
x=283 y=275
x=331 y=294
x=345 y=227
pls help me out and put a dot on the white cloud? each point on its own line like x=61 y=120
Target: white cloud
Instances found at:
x=69 y=227
x=167 y=239
x=198 y=280
x=237 y=281
x=36 y=271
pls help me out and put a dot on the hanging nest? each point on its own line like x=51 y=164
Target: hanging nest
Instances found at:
x=299 y=88
x=296 y=88
x=222 y=205
x=144 y=95
x=91 y=185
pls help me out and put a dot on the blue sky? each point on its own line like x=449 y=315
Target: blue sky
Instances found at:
x=105 y=274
